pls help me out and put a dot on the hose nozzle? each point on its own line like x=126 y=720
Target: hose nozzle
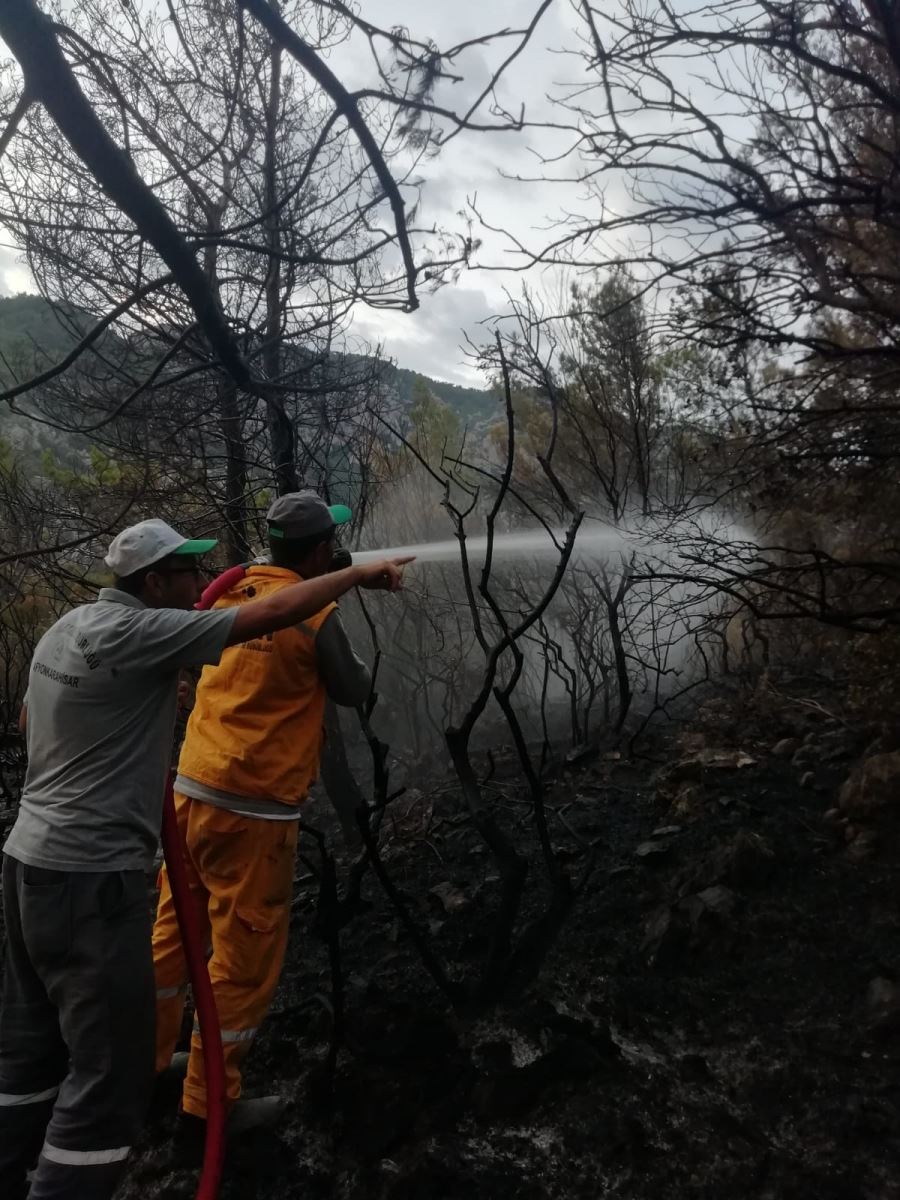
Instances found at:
x=341 y=559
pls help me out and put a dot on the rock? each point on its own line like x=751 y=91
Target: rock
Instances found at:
x=665 y=830
x=693 y=1068
x=719 y=900
x=889 y=736
x=850 y=832
x=883 y=1005
x=449 y=897
x=661 y=939
x=805 y=757
x=688 y=801
x=569 y=853
x=669 y=779
x=546 y=1018
x=872 y=787
x=841 y=743
x=581 y=753
x=832 y=816
x=692 y=908
x=691 y=742
x=649 y=850
x=512 y=1092
x=694 y=768
x=687 y=925
x=878 y=745
x=735 y=759
x=786 y=748
x=495 y=1055
x=719 y=713
x=745 y=860
x=863 y=846
x=657 y=924
x=808 y=780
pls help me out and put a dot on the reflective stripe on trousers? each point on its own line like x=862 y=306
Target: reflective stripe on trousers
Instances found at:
x=231 y=1036
x=11 y=1100
x=169 y=993
x=84 y=1158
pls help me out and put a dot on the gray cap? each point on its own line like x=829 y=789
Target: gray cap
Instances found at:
x=143 y=544
x=304 y=514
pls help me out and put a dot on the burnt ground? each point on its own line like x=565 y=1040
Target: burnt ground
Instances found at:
x=704 y=1026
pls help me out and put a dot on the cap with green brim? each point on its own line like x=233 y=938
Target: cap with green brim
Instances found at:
x=149 y=542
x=197 y=546
x=298 y=515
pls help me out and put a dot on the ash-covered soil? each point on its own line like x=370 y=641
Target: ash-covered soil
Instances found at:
x=719 y=1017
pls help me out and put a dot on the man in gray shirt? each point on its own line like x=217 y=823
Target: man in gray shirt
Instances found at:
x=77 y=1015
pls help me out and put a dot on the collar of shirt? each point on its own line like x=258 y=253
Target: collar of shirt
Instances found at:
x=115 y=596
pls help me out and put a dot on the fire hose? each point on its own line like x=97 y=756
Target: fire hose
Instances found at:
x=195 y=955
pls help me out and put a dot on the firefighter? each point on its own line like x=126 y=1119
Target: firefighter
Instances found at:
x=77 y=1014
x=250 y=755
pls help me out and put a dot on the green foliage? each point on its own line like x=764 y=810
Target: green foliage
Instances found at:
x=436 y=430
x=32 y=335
x=103 y=472
x=472 y=405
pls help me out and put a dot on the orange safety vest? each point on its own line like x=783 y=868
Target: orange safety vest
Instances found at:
x=256 y=727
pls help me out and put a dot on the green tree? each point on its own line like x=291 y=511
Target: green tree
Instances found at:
x=435 y=429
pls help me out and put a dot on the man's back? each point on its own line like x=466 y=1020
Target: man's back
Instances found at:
x=101 y=709
x=256 y=728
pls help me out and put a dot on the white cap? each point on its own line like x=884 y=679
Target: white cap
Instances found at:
x=143 y=544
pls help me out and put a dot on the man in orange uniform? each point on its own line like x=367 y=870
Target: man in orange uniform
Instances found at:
x=250 y=755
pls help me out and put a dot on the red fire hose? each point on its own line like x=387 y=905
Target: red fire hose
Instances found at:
x=208 y=1018
x=195 y=953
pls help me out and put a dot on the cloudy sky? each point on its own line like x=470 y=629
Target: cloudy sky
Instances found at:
x=431 y=339
x=499 y=172
x=469 y=169
x=13 y=275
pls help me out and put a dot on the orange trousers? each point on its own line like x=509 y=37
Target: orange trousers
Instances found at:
x=241 y=873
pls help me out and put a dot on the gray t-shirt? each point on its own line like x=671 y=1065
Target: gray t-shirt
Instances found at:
x=102 y=695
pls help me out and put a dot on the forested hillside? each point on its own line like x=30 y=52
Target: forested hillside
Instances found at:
x=35 y=335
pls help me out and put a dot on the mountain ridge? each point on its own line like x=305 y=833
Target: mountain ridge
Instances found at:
x=33 y=338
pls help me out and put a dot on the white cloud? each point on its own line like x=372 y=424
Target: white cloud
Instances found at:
x=14 y=275
x=431 y=340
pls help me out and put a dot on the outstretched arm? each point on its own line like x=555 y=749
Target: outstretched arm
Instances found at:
x=301 y=600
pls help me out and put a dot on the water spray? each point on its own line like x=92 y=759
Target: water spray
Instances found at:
x=649 y=537
x=596 y=543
